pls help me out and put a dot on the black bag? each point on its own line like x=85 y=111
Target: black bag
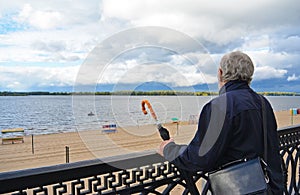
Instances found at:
x=248 y=177
x=242 y=178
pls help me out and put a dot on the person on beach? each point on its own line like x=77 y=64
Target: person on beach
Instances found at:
x=230 y=126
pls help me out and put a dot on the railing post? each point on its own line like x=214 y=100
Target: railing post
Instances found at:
x=67 y=154
x=32 y=144
x=188 y=177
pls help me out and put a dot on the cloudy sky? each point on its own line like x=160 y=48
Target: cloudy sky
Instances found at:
x=45 y=44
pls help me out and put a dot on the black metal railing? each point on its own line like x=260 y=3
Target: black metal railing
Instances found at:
x=138 y=173
x=289 y=141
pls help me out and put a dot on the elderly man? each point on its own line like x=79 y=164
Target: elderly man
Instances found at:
x=230 y=126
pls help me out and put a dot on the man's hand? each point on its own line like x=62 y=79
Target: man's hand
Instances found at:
x=162 y=146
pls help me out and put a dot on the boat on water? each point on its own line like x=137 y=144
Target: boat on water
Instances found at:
x=91 y=114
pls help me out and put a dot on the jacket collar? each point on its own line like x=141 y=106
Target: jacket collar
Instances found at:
x=233 y=85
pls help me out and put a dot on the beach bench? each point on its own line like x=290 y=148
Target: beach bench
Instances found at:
x=110 y=128
x=12 y=136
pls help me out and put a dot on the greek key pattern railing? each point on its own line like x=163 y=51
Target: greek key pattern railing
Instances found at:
x=119 y=182
x=139 y=173
x=289 y=141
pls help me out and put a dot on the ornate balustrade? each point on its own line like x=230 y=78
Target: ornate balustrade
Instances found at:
x=138 y=173
x=289 y=141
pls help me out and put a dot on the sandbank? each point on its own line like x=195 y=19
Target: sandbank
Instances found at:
x=85 y=145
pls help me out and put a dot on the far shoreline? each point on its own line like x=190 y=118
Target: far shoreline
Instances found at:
x=137 y=93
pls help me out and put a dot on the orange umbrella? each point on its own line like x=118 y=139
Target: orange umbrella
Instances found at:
x=146 y=102
x=163 y=131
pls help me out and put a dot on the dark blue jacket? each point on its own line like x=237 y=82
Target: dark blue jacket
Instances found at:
x=230 y=128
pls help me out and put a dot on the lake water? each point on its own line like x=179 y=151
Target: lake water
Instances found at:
x=55 y=114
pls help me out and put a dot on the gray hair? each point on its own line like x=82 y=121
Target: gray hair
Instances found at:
x=237 y=66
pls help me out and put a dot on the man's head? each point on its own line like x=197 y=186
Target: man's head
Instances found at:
x=235 y=66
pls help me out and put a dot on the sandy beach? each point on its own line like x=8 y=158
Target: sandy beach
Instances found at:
x=85 y=145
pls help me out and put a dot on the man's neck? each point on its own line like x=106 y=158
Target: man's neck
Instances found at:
x=221 y=84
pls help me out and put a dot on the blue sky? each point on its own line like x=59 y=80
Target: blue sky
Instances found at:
x=43 y=44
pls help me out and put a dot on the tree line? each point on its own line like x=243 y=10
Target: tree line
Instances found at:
x=9 y=93
x=140 y=93
x=279 y=93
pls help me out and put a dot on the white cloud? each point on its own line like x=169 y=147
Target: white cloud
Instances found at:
x=54 y=31
x=54 y=13
x=276 y=60
x=293 y=78
x=131 y=72
x=66 y=31
x=45 y=46
x=287 y=44
x=214 y=21
x=14 y=85
x=45 y=20
x=26 y=77
x=268 y=72
x=257 y=43
x=40 y=19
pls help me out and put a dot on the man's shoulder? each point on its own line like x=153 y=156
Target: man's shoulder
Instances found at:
x=234 y=100
x=218 y=103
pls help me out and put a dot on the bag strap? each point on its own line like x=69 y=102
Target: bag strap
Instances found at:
x=264 y=119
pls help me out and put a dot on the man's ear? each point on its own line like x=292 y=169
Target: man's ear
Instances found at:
x=220 y=73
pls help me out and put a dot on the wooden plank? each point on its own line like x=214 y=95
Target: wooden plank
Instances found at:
x=12 y=130
x=12 y=140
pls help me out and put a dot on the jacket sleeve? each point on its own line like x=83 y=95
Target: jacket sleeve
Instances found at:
x=207 y=145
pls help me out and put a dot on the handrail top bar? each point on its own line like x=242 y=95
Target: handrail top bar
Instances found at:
x=112 y=160
x=287 y=128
